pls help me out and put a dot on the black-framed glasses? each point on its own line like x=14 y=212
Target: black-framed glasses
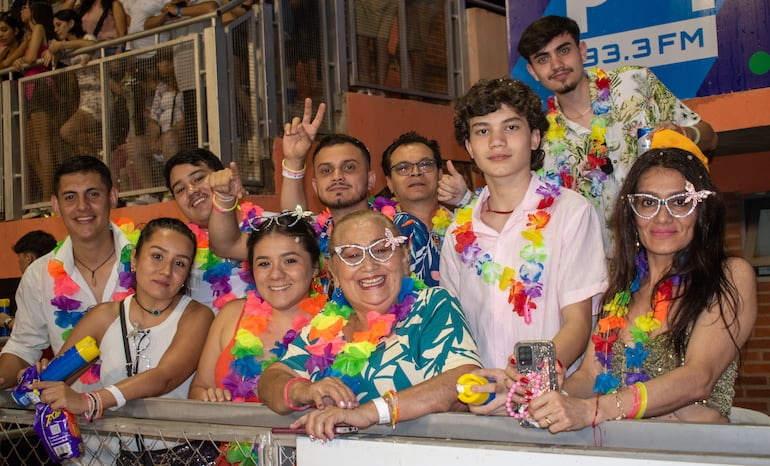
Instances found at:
x=285 y=219
x=380 y=250
x=647 y=206
x=406 y=168
x=141 y=342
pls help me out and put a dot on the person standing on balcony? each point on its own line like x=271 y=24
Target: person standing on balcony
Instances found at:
x=594 y=115
x=89 y=267
x=40 y=95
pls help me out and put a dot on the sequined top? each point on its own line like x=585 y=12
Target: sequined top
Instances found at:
x=662 y=359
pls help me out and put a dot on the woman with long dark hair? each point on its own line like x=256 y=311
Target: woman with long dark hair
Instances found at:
x=105 y=20
x=11 y=38
x=677 y=311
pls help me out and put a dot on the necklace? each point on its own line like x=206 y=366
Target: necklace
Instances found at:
x=615 y=317
x=587 y=178
x=578 y=116
x=69 y=310
x=243 y=376
x=521 y=292
x=93 y=271
x=155 y=312
x=501 y=212
x=331 y=355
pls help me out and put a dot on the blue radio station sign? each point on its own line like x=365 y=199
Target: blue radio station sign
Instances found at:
x=696 y=47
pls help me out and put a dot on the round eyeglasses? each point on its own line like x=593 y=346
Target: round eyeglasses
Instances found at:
x=406 y=168
x=381 y=250
x=647 y=206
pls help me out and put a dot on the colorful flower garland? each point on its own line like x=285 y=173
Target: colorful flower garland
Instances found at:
x=597 y=163
x=615 y=318
x=246 y=368
x=523 y=292
x=68 y=313
x=217 y=272
x=331 y=355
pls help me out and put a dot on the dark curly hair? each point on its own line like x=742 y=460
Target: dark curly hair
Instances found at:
x=488 y=96
x=701 y=264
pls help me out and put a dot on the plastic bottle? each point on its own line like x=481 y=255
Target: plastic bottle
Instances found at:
x=5 y=308
x=59 y=369
x=71 y=360
x=464 y=393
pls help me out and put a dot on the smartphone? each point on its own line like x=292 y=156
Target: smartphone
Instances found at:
x=338 y=430
x=536 y=357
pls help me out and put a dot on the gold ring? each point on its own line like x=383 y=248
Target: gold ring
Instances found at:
x=547 y=421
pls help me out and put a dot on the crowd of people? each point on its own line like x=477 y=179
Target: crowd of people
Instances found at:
x=369 y=311
x=63 y=113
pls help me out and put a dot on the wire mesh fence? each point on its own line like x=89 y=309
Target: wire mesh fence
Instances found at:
x=132 y=441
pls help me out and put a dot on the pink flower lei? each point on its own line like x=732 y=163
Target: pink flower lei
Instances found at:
x=523 y=291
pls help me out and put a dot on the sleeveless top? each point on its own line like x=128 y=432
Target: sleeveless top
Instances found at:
x=662 y=359
x=160 y=337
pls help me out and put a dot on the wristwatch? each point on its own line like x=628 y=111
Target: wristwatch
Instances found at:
x=7 y=322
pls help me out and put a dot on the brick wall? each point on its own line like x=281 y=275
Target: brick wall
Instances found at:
x=752 y=389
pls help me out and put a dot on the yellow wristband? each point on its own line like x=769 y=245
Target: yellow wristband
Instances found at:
x=643 y=403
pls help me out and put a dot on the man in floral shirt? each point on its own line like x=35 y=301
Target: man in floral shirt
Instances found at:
x=594 y=115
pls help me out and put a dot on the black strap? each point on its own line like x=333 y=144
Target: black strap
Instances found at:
x=129 y=372
x=99 y=24
x=125 y=339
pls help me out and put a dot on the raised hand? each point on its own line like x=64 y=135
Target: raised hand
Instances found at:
x=451 y=186
x=298 y=135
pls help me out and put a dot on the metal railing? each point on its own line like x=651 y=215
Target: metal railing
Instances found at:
x=198 y=426
x=235 y=83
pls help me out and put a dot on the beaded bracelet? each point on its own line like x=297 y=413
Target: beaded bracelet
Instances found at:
x=292 y=174
x=392 y=399
x=619 y=405
x=536 y=379
x=643 y=404
x=286 y=394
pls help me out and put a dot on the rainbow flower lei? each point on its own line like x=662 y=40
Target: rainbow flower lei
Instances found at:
x=332 y=356
x=597 y=164
x=521 y=292
x=246 y=368
x=615 y=318
x=68 y=310
x=217 y=272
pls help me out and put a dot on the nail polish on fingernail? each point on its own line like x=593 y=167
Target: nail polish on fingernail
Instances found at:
x=528 y=393
x=561 y=366
x=527 y=399
x=312 y=439
x=342 y=404
x=512 y=361
x=524 y=380
x=350 y=404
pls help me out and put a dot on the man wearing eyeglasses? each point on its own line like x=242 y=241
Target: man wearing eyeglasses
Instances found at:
x=343 y=178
